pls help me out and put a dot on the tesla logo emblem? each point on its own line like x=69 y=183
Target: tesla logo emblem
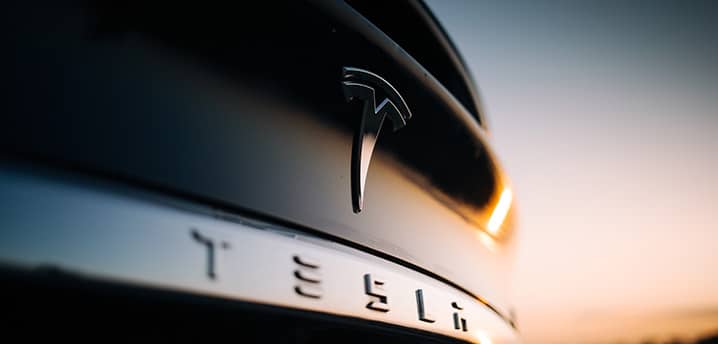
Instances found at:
x=370 y=88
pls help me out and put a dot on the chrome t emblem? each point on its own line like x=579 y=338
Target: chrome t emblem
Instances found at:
x=368 y=87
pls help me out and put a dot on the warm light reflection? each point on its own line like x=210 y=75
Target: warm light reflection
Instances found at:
x=482 y=337
x=487 y=240
x=500 y=211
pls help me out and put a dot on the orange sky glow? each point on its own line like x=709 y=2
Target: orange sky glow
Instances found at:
x=605 y=116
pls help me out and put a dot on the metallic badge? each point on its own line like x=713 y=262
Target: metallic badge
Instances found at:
x=459 y=321
x=374 y=287
x=308 y=277
x=368 y=87
x=421 y=307
x=211 y=245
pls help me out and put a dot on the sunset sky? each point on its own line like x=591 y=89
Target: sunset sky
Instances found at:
x=605 y=115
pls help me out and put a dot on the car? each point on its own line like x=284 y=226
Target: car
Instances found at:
x=270 y=171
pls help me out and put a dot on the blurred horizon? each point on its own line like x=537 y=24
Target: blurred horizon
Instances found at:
x=605 y=116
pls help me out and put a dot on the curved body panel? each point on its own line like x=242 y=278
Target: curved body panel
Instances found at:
x=243 y=110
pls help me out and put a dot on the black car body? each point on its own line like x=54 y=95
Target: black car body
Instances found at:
x=196 y=165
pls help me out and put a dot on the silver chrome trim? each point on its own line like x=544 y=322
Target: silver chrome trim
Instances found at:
x=115 y=237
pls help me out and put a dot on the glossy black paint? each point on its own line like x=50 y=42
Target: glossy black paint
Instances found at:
x=412 y=26
x=242 y=107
